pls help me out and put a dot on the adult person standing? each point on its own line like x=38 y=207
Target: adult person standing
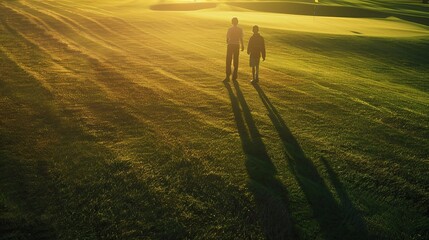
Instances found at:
x=234 y=38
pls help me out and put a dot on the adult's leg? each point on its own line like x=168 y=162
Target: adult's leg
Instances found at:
x=236 y=56
x=253 y=73
x=228 y=60
x=257 y=71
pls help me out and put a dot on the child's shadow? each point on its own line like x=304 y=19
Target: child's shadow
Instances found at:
x=270 y=194
x=336 y=222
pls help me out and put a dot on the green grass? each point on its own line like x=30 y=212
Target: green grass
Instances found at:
x=405 y=10
x=115 y=124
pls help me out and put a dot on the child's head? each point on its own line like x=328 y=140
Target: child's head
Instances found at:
x=255 y=29
x=234 y=21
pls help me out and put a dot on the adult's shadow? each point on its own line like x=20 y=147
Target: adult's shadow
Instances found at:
x=270 y=194
x=335 y=223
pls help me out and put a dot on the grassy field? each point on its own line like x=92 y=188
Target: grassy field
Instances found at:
x=115 y=123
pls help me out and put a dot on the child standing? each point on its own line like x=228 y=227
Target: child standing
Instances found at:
x=256 y=49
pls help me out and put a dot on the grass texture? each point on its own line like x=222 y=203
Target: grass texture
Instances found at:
x=115 y=123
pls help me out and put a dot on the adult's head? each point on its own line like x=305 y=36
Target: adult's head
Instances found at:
x=255 y=29
x=234 y=21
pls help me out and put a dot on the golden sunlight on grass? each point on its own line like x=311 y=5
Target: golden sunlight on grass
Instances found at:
x=390 y=27
x=116 y=124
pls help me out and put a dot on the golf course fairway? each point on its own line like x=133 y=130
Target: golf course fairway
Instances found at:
x=115 y=122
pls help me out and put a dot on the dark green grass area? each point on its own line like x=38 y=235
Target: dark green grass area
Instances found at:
x=182 y=6
x=310 y=9
x=404 y=6
x=408 y=11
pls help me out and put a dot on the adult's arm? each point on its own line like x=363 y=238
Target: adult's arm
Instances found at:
x=241 y=40
x=263 y=48
x=248 y=45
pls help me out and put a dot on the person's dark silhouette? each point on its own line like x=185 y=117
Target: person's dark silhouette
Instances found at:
x=234 y=38
x=256 y=49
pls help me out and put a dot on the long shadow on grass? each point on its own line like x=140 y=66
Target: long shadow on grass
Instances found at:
x=351 y=214
x=333 y=220
x=270 y=194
